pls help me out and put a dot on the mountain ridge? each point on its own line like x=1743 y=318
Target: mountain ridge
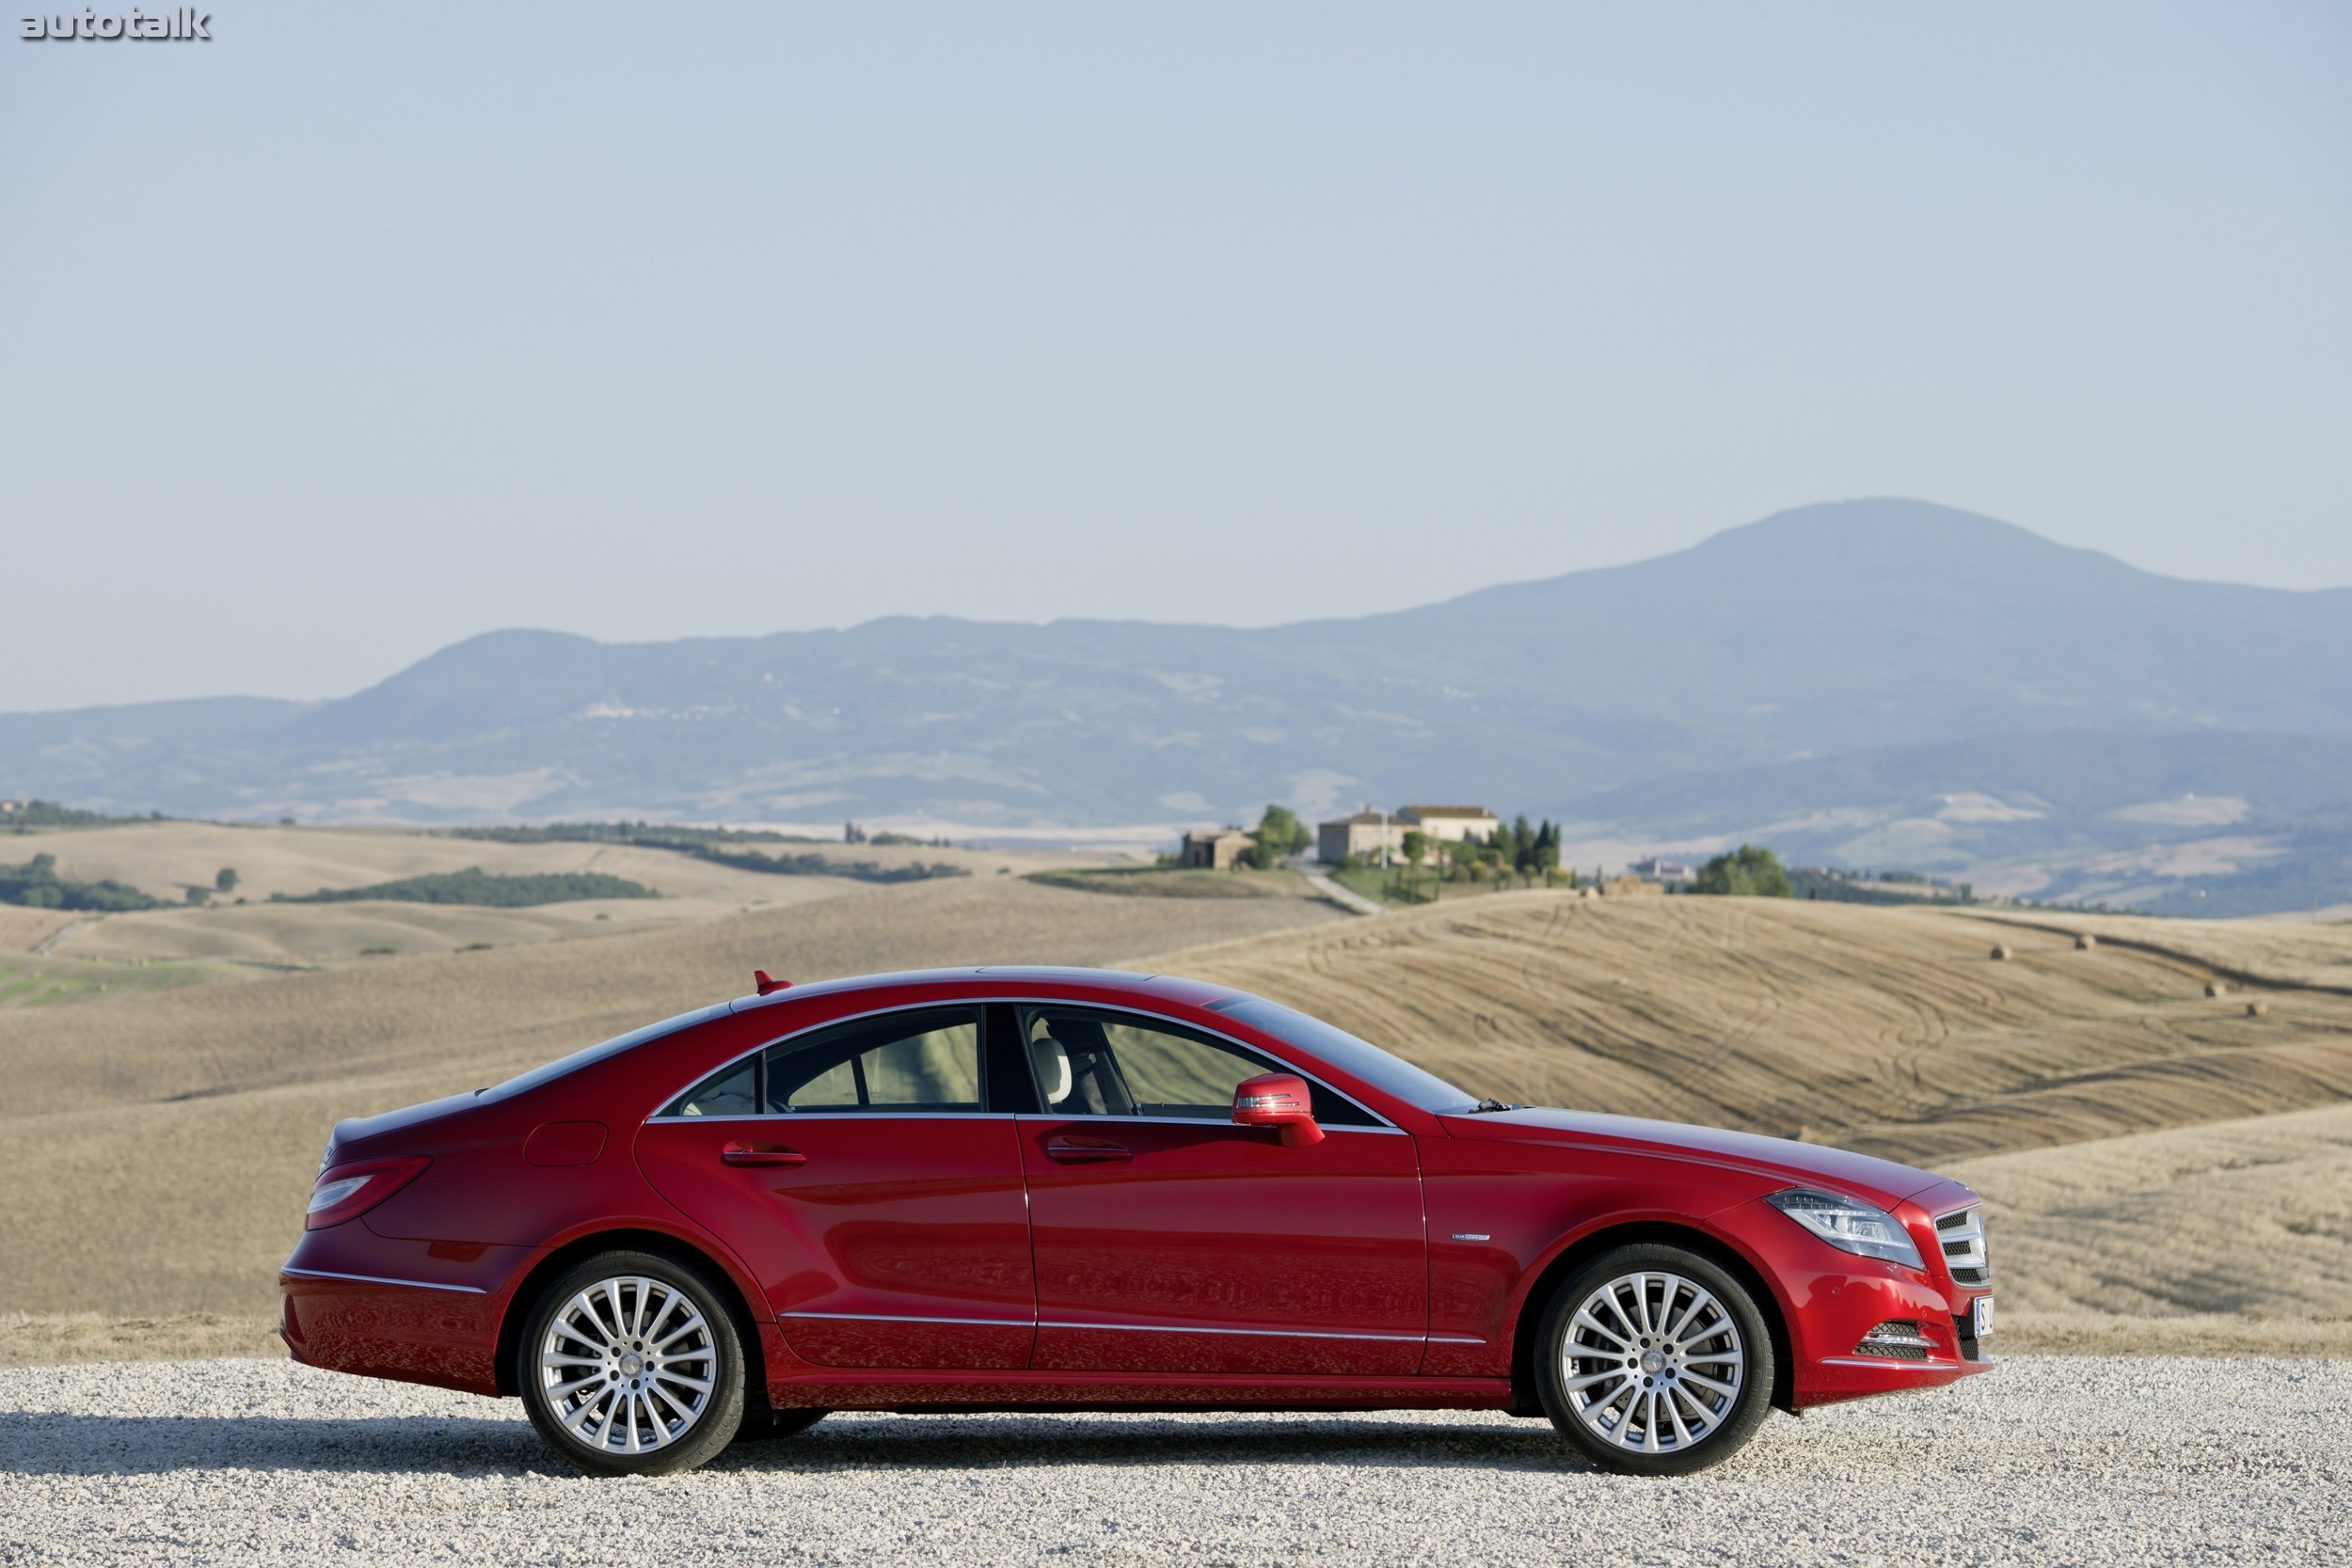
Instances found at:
x=1818 y=631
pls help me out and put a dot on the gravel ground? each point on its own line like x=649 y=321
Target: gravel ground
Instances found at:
x=2049 y=1460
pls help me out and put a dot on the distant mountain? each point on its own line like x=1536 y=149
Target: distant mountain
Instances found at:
x=1825 y=630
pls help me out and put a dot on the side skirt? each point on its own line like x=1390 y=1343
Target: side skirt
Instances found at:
x=923 y=1391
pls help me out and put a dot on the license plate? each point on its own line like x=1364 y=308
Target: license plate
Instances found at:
x=1980 y=1311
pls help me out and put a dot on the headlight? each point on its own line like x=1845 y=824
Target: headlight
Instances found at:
x=1849 y=1224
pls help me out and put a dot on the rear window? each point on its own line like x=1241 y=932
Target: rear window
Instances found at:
x=1357 y=1057
x=594 y=1054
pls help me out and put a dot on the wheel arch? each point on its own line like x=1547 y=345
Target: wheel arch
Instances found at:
x=661 y=1243
x=1584 y=1248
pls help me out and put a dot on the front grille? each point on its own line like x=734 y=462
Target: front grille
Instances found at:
x=1964 y=1334
x=1896 y=1340
x=1961 y=1233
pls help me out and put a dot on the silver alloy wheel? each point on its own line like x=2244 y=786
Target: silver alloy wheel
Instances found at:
x=1652 y=1363
x=629 y=1365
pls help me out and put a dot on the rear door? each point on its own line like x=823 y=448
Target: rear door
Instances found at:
x=1169 y=1240
x=858 y=1173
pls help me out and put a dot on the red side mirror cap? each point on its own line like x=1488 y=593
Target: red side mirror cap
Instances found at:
x=1277 y=1100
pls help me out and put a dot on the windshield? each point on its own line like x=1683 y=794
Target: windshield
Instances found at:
x=612 y=1047
x=1361 y=1058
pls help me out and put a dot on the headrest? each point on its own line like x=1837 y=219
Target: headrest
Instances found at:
x=1053 y=1069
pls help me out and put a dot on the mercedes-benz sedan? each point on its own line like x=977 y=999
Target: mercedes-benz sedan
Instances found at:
x=1023 y=1189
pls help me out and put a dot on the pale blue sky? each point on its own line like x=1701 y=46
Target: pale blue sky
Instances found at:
x=361 y=329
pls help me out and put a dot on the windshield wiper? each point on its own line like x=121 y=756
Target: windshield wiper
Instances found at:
x=1484 y=1106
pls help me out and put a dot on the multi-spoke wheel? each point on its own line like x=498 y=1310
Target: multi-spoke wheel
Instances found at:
x=629 y=1365
x=1654 y=1361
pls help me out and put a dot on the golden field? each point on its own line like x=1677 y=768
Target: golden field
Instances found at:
x=243 y=929
x=2164 y=1171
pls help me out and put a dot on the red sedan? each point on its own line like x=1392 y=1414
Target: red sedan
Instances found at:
x=1004 y=1189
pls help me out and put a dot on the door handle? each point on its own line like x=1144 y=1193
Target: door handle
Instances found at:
x=761 y=1154
x=1085 y=1151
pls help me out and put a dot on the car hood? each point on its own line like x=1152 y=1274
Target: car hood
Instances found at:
x=1880 y=1181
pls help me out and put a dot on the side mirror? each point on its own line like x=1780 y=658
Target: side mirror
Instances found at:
x=1277 y=1100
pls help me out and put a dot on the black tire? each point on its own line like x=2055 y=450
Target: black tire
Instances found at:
x=655 y=1390
x=763 y=1425
x=1637 y=1391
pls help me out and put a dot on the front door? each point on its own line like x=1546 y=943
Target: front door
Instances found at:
x=1169 y=1240
x=856 y=1171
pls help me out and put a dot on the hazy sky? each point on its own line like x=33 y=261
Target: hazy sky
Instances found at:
x=361 y=329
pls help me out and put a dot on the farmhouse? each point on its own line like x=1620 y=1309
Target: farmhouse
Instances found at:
x=1365 y=834
x=1214 y=848
x=1474 y=824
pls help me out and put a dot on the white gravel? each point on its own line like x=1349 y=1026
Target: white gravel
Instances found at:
x=2050 y=1461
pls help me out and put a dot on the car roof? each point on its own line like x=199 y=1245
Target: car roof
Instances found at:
x=1045 y=978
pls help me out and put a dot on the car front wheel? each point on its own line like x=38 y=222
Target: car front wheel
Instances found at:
x=630 y=1365
x=1654 y=1361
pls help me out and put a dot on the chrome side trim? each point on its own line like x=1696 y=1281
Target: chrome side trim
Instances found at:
x=837 y=1115
x=379 y=1280
x=1031 y=1000
x=1254 y=1333
x=903 y=1318
x=1192 y=1121
x=1124 y=1328
x=985 y=1116
x=1454 y=1340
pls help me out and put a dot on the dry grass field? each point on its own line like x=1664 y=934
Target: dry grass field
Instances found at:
x=2235 y=1234
x=2274 y=950
x=2111 y=1111
x=164 y=859
x=1887 y=1030
x=50 y=981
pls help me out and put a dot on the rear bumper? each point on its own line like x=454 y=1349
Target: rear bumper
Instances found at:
x=417 y=1311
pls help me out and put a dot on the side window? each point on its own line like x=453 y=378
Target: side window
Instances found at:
x=914 y=1061
x=1108 y=1065
x=926 y=1061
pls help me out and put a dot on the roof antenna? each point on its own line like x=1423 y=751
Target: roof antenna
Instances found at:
x=767 y=982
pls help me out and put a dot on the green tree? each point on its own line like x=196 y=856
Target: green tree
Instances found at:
x=1505 y=847
x=1279 y=833
x=1749 y=871
x=225 y=879
x=1415 y=845
x=1522 y=844
x=1548 y=846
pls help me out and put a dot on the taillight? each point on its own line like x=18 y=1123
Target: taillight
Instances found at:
x=346 y=1192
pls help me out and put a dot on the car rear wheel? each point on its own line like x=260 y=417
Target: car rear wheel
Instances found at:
x=630 y=1365
x=1654 y=1361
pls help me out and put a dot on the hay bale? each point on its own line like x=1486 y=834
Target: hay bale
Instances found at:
x=2215 y=988
x=2085 y=941
x=2257 y=1009
x=2000 y=952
